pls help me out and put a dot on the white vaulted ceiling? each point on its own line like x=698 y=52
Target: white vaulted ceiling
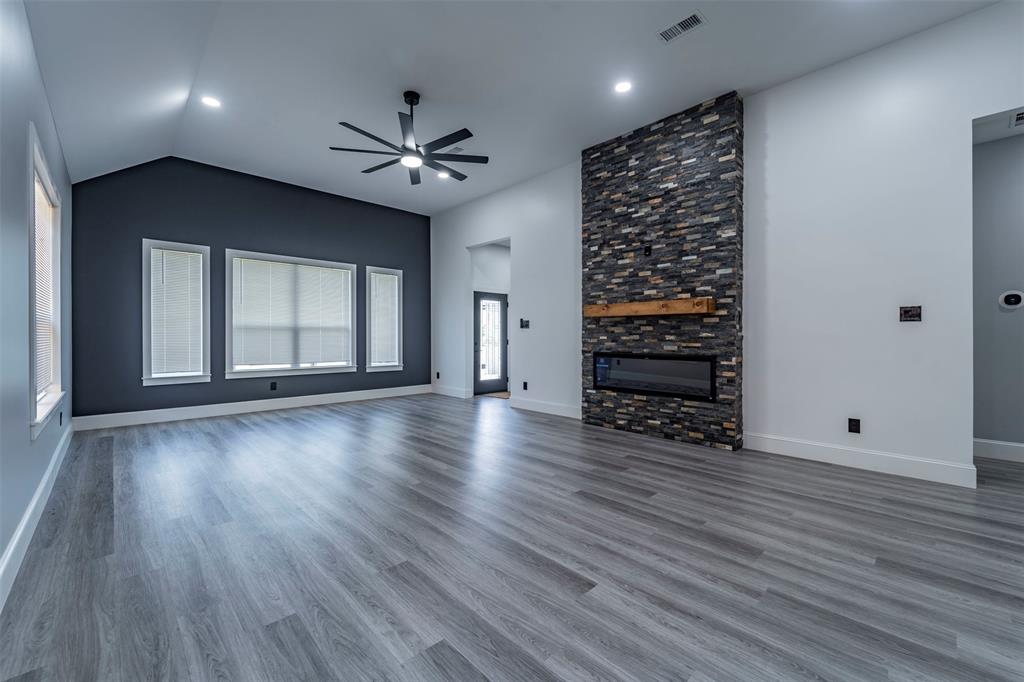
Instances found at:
x=532 y=80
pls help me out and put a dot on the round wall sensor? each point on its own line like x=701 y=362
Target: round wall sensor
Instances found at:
x=1011 y=300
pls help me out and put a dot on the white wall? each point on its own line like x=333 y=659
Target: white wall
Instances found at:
x=998 y=267
x=858 y=200
x=491 y=268
x=26 y=465
x=541 y=217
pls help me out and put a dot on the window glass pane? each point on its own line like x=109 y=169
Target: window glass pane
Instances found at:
x=176 y=312
x=490 y=339
x=44 y=341
x=385 y=316
x=251 y=312
x=323 y=324
x=282 y=314
x=290 y=316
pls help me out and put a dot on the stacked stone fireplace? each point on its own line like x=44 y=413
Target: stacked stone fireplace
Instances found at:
x=663 y=219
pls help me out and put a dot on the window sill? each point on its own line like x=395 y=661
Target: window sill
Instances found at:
x=182 y=379
x=385 y=368
x=45 y=409
x=257 y=373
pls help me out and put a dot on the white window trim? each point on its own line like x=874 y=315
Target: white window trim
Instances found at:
x=147 y=321
x=370 y=269
x=42 y=411
x=229 y=362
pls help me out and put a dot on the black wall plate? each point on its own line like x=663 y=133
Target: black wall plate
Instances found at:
x=910 y=313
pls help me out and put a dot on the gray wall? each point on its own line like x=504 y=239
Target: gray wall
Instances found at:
x=998 y=266
x=541 y=219
x=183 y=201
x=492 y=268
x=23 y=461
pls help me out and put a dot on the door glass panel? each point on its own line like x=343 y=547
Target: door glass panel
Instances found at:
x=490 y=339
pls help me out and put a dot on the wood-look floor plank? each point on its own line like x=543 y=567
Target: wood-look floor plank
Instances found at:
x=428 y=538
x=293 y=643
x=149 y=645
x=441 y=663
x=482 y=642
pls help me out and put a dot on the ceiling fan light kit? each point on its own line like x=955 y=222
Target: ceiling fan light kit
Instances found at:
x=411 y=161
x=412 y=155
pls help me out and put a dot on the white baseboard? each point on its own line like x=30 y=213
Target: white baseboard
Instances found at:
x=873 y=460
x=14 y=553
x=560 y=409
x=453 y=391
x=104 y=421
x=999 y=449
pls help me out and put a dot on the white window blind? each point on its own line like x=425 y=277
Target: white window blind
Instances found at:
x=176 y=310
x=45 y=344
x=384 y=318
x=289 y=315
x=175 y=313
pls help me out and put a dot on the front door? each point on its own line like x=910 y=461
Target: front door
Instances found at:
x=490 y=342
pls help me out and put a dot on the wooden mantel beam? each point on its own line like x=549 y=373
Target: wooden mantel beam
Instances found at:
x=675 y=306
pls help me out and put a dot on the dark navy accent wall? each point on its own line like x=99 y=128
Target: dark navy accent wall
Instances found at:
x=183 y=201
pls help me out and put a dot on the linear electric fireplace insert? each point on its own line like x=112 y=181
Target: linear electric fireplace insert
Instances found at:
x=680 y=376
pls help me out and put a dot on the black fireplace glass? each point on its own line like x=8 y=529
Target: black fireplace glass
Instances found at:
x=681 y=376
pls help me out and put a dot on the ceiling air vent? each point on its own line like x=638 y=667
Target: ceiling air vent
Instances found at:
x=1017 y=119
x=695 y=20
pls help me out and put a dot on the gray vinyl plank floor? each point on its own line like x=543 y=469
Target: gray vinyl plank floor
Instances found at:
x=428 y=538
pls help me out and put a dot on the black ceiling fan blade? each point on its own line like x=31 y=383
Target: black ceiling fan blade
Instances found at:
x=440 y=167
x=365 y=151
x=408 y=136
x=461 y=158
x=447 y=141
x=371 y=136
x=372 y=169
x=414 y=176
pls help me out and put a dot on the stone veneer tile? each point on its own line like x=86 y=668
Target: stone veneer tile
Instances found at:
x=675 y=186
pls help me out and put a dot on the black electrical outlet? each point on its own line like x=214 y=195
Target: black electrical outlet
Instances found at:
x=524 y=324
x=524 y=385
x=438 y=375
x=273 y=385
x=853 y=425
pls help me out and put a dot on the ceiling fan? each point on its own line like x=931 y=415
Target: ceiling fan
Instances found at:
x=412 y=155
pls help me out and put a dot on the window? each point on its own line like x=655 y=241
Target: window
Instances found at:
x=44 y=292
x=383 y=320
x=175 y=313
x=288 y=315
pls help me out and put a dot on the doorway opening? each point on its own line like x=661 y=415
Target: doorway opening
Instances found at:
x=998 y=158
x=491 y=281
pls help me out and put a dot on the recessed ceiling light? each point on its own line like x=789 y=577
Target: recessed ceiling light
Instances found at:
x=411 y=160
x=211 y=101
x=623 y=86
x=443 y=175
